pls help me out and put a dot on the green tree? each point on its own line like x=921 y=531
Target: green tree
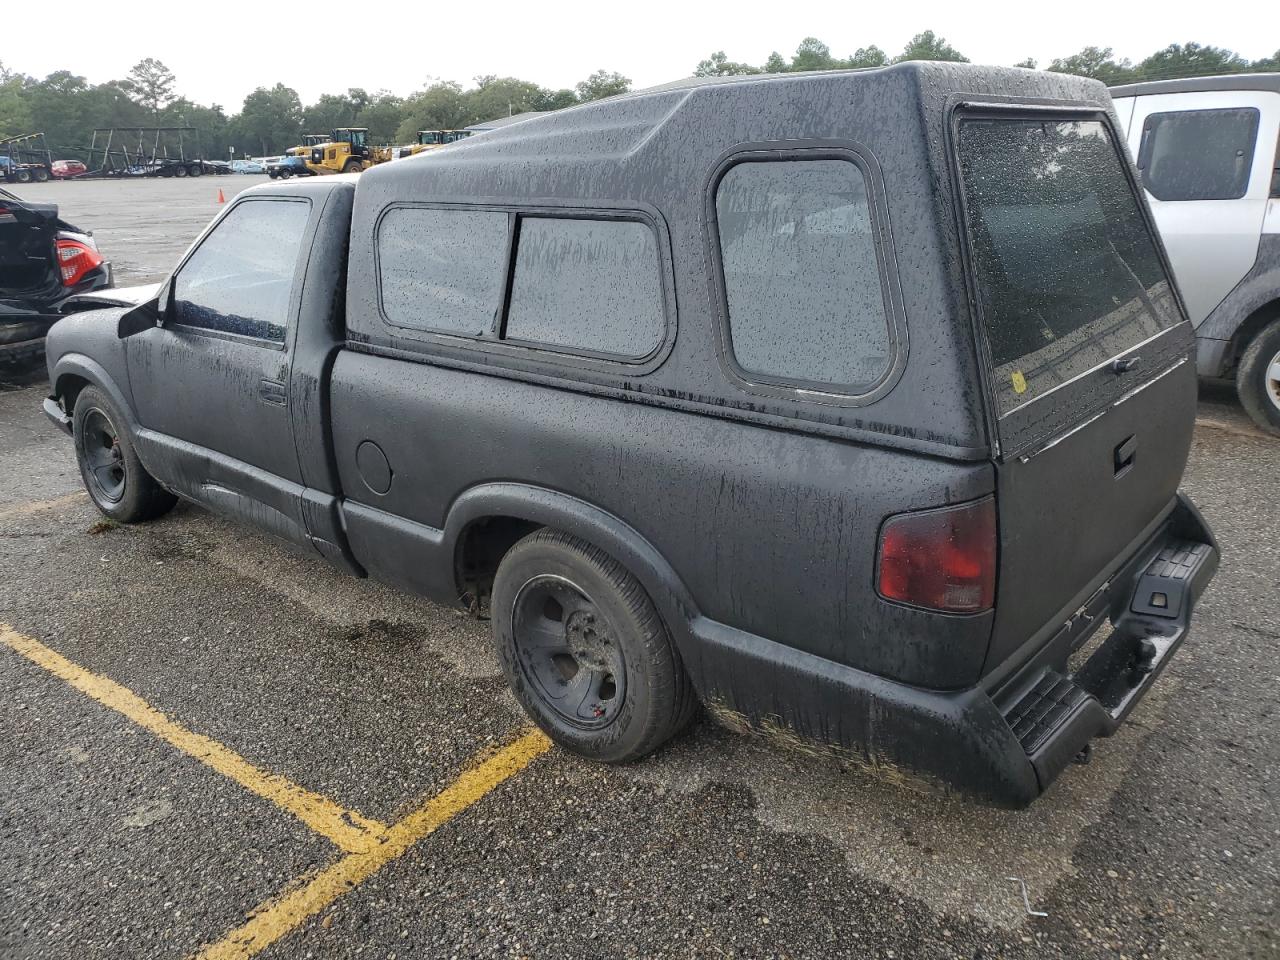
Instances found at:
x=1190 y=60
x=775 y=64
x=1267 y=64
x=719 y=65
x=601 y=84
x=382 y=115
x=555 y=99
x=812 y=54
x=441 y=106
x=930 y=46
x=15 y=114
x=151 y=84
x=1096 y=62
x=871 y=56
x=1027 y=64
x=270 y=120
x=496 y=97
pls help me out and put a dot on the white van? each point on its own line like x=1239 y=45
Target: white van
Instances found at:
x=1208 y=155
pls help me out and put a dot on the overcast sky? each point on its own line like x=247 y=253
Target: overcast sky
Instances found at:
x=221 y=51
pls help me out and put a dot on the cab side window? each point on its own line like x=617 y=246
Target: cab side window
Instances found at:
x=1198 y=154
x=801 y=275
x=240 y=279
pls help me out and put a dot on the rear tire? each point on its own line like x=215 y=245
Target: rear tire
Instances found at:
x=1258 y=378
x=179 y=171
x=585 y=651
x=41 y=175
x=195 y=170
x=118 y=483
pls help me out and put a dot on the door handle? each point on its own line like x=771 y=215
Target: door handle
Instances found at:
x=272 y=391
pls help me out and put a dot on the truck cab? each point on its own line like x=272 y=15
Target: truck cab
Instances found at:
x=1208 y=154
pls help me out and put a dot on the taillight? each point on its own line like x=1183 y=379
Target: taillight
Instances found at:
x=76 y=258
x=941 y=559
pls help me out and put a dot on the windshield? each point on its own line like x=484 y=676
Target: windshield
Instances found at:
x=1067 y=273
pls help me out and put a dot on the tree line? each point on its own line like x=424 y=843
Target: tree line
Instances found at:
x=1100 y=63
x=67 y=108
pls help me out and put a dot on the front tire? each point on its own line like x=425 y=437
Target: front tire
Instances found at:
x=1258 y=378
x=585 y=651
x=352 y=166
x=118 y=483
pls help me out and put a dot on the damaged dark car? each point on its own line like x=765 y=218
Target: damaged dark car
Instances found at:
x=851 y=405
x=44 y=261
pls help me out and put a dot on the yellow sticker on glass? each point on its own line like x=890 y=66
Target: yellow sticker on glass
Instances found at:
x=1019 y=382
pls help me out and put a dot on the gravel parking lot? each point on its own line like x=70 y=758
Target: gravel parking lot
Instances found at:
x=212 y=746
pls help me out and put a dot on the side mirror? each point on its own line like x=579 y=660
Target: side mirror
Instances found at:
x=140 y=318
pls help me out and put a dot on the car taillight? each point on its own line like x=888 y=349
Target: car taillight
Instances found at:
x=76 y=258
x=941 y=559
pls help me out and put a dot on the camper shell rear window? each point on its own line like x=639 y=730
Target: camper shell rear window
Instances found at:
x=1066 y=273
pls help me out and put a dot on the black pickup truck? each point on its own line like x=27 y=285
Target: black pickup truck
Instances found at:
x=852 y=405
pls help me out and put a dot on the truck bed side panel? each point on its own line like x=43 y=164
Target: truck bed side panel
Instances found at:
x=769 y=530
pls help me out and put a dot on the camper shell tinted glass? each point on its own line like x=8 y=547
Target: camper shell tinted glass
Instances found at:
x=1066 y=273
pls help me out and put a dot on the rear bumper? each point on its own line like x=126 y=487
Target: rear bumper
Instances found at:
x=1004 y=746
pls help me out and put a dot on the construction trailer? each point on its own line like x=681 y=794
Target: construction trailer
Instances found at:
x=25 y=159
x=148 y=152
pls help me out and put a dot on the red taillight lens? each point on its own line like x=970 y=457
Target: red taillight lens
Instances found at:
x=941 y=559
x=76 y=258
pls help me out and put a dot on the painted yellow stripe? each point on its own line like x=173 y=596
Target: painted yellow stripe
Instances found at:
x=278 y=917
x=39 y=506
x=347 y=829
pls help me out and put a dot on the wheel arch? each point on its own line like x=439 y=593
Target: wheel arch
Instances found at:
x=487 y=520
x=73 y=372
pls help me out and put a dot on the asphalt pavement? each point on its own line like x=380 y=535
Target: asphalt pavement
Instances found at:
x=213 y=746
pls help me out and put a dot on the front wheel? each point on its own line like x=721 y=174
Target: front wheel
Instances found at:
x=1258 y=378
x=585 y=651
x=118 y=483
x=352 y=166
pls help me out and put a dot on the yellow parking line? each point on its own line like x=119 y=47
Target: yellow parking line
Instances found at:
x=278 y=917
x=347 y=829
x=39 y=506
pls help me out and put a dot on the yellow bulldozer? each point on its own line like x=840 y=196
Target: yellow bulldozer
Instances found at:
x=432 y=139
x=347 y=150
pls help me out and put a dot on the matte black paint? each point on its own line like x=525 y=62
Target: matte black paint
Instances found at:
x=751 y=517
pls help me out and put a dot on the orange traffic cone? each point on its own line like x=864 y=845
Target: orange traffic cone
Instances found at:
x=221 y=198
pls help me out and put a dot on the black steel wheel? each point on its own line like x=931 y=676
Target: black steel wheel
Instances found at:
x=41 y=175
x=103 y=458
x=195 y=170
x=179 y=171
x=118 y=483
x=585 y=651
x=568 y=652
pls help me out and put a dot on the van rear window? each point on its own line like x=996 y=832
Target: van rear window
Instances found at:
x=1067 y=274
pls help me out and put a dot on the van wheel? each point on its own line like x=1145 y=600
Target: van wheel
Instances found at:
x=118 y=483
x=1258 y=378
x=585 y=651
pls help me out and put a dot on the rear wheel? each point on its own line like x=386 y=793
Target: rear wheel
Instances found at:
x=1258 y=378
x=584 y=650
x=118 y=483
x=195 y=170
x=41 y=174
x=23 y=176
x=179 y=171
